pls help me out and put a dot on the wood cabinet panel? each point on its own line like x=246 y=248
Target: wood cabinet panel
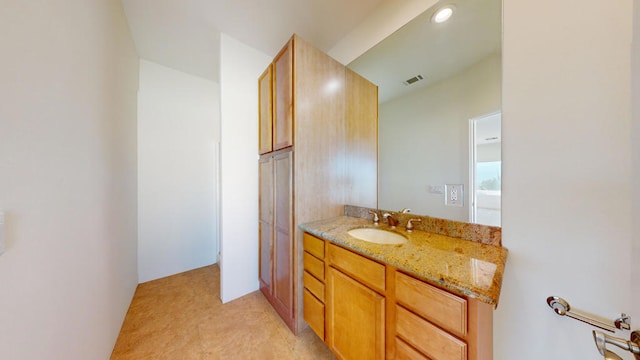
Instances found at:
x=265 y=104
x=362 y=145
x=313 y=245
x=283 y=98
x=315 y=286
x=283 y=252
x=265 y=199
x=314 y=313
x=428 y=338
x=355 y=318
x=368 y=271
x=265 y=267
x=283 y=276
x=438 y=306
x=314 y=266
x=265 y=225
x=283 y=192
x=406 y=352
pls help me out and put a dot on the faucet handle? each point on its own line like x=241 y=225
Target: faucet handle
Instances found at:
x=376 y=219
x=602 y=340
x=410 y=226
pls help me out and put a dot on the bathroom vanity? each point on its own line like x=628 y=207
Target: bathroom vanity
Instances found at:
x=425 y=294
x=431 y=297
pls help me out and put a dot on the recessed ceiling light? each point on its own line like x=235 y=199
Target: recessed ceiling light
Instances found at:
x=443 y=14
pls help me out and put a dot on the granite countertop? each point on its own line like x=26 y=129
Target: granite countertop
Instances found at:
x=463 y=267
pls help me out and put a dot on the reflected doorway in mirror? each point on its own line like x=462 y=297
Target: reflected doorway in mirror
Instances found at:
x=485 y=169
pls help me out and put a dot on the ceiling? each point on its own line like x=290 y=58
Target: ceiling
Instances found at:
x=185 y=34
x=435 y=51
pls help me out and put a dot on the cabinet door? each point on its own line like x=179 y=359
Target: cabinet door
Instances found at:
x=283 y=252
x=355 y=318
x=283 y=93
x=265 y=103
x=265 y=215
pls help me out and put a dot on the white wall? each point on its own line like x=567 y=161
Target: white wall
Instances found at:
x=387 y=18
x=240 y=67
x=635 y=68
x=437 y=117
x=178 y=131
x=567 y=205
x=69 y=75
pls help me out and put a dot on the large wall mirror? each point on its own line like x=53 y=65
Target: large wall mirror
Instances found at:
x=439 y=141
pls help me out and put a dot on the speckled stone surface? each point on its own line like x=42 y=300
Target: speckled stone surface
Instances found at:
x=463 y=267
x=485 y=234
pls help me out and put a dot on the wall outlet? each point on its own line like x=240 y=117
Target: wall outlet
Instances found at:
x=454 y=195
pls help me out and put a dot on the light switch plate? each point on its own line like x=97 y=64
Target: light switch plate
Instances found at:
x=454 y=195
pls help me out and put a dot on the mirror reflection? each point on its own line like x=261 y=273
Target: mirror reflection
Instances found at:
x=439 y=113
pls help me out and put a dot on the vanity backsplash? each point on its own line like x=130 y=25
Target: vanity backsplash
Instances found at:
x=491 y=235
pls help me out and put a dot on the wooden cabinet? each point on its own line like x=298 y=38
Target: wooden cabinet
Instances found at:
x=444 y=309
x=283 y=233
x=355 y=311
x=265 y=222
x=303 y=111
x=314 y=284
x=275 y=101
x=265 y=116
x=276 y=233
x=406 y=352
x=371 y=310
x=428 y=338
x=437 y=324
x=355 y=318
x=283 y=97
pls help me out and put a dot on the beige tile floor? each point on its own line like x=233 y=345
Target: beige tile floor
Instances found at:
x=182 y=317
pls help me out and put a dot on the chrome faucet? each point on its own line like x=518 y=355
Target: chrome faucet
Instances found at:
x=410 y=222
x=375 y=219
x=390 y=220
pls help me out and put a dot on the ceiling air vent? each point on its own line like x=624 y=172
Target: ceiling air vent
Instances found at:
x=413 y=80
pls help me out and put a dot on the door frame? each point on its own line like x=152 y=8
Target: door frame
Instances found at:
x=472 y=162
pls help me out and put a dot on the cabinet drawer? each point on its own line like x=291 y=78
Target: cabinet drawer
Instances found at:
x=315 y=286
x=313 y=245
x=406 y=352
x=428 y=338
x=361 y=268
x=314 y=313
x=314 y=266
x=438 y=306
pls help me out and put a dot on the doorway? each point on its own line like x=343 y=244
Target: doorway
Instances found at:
x=485 y=169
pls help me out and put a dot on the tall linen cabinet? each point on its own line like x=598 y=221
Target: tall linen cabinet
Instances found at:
x=318 y=152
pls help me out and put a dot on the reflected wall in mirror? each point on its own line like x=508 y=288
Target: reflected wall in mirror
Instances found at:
x=434 y=81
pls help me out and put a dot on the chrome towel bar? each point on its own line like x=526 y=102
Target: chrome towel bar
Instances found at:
x=561 y=307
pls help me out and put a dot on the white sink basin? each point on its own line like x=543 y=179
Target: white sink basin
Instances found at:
x=377 y=236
